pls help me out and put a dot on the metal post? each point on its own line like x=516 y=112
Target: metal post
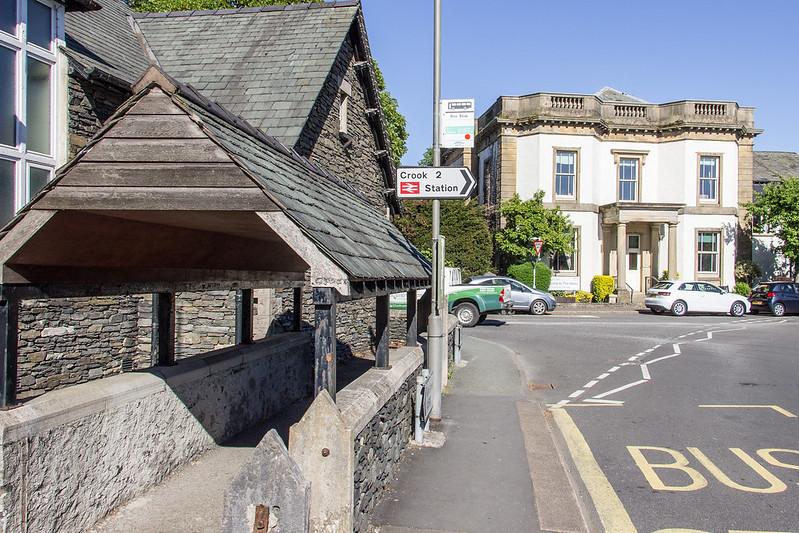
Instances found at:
x=244 y=316
x=9 y=328
x=435 y=326
x=297 y=317
x=382 y=331
x=324 y=299
x=163 y=336
x=411 y=318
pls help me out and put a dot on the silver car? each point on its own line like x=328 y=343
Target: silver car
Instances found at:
x=525 y=299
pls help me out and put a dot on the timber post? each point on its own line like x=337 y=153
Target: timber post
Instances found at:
x=382 y=331
x=9 y=329
x=324 y=299
x=244 y=303
x=411 y=319
x=163 y=341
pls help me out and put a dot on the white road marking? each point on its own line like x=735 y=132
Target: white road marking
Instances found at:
x=625 y=364
x=590 y=384
x=619 y=389
x=656 y=346
x=615 y=368
x=641 y=353
x=682 y=336
x=602 y=376
x=653 y=361
x=676 y=347
x=609 y=402
x=645 y=372
x=709 y=337
x=561 y=403
x=576 y=393
x=633 y=358
x=649 y=350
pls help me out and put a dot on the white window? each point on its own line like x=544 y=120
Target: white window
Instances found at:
x=29 y=33
x=707 y=252
x=565 y=173
x=567 y=262
x=628 y=179
x=709 y=179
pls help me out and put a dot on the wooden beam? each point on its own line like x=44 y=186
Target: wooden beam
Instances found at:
x=163 y=340
x=157 y=150
x=324 y=299
x=296 y=322
x=158 y=198
x=411 y=319
x=9 y=329
x=86 y=174
x=244 y=316
x=382 y=331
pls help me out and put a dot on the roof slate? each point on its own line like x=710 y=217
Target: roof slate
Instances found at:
x=266 y=65
x=103 y=39
x=771 y=166
x=609 y=94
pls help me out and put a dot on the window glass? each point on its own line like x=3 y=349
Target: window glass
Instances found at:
x=628 y=179
x=687 y=287
x=517 y=286
x=632 y=261
x=565 y=173
x=6 y=191
x=708 y=252
x=8 y=117
x=37 y=179
x=566 y=262
x=8 y=16
x=487 y=282
x=662 y=285
x=633 y=242
x=708 y=177
x=38 y=107
x=39 y=24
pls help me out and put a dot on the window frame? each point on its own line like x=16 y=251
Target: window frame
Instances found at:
x=719 y=253
x=640 y=156
x=719 y=162
x=558 y=198
x=575 y=258
x=24 y=52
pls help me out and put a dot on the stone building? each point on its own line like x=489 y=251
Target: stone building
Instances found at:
x=302 y=74
x=649 y=187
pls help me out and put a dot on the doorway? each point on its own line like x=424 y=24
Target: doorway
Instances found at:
x=634 y=261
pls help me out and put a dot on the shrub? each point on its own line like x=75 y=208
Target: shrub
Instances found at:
x=524 y=273
x=583 y=296
x=602 y=287
x=742 y=288
x=747 y=271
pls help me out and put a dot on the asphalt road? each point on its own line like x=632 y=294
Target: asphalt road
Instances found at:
x=670 y=424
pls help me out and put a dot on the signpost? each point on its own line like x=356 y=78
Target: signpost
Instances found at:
x=457 y=123
x=538 y=244
x=439 y=183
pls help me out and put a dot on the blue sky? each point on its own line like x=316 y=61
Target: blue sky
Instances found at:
x=660 y=51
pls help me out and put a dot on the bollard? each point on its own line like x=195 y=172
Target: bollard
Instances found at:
x=435 y=333
x=458 y=342
x=421 y=423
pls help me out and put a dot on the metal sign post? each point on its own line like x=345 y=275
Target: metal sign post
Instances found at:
x=538 y=244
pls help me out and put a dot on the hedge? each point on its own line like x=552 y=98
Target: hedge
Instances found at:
x=524 y=273
x=602 y=287
x=743 y=288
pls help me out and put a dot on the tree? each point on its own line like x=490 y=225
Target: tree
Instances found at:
x=396 y=125
x=528 y=219
x=462 y=223
x=427 y=158
x=778 y=206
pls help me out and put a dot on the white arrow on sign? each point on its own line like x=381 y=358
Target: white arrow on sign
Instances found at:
x=435 y=183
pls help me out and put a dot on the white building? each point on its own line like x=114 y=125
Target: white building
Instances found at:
x=648 y=187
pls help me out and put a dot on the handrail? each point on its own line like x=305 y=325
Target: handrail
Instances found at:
x=631 y=291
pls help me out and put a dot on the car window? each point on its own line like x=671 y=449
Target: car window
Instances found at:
x=516 y=286
x=762 y=288
x=487 y=282
x=687 y=287
x=662 y=285
x=500 y=281
x=780 y=287
x=707 y=287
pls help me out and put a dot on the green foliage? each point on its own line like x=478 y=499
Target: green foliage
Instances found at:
x=747 y=271
x=427 y=158
x=601 y=287
x=524 y=273
x=188 y=5
x=462 y=223
x=778 y=205
x=583 y=296
x=526 y=220
x=666 y=275
x=396 y=125
x=743 y=288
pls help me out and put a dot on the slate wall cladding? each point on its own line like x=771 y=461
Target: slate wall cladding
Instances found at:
x=320 y=140
x=378 y=448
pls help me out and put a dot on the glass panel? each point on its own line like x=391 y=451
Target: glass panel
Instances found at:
x=8 y=117
x=6 y=191
x=633 y=261
x=633 y=242
x=39 y=24
x=38 y=107
x=8 y=16
x=37 y=179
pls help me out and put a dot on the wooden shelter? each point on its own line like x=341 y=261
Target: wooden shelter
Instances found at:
x=176 y=193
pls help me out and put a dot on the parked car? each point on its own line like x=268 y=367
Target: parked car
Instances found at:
x=471 y=304
x=776 y=297
x=525 y=299
x=681 y=297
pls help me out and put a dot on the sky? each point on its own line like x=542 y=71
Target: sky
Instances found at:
x=657 y=50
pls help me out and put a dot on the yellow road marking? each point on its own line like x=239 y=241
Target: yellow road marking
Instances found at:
x=611 y=511
x=777 y=408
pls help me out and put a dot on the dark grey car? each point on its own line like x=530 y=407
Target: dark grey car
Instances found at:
x=525 y=299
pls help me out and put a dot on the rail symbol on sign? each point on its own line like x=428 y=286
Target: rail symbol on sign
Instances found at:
x=409 y=187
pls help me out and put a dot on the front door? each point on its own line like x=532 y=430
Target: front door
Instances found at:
x=634 y=261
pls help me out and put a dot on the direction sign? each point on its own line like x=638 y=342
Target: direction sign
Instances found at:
x=457 y=123
x=538 y=244
x=435 y=183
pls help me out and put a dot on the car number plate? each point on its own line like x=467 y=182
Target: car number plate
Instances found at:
x=757 y=302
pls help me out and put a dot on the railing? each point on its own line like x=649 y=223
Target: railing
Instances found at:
x=712 y=110
x=567 y=102
x=631 y=111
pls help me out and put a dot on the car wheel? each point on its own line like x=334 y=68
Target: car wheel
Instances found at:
x=467 y=314
x=778 y=309
x=538 y=307
x=737 y=309
x=679 y=308
x=482 y=318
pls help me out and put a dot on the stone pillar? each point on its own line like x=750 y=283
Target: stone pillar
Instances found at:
x=673 y=250
x=654 y=249
x=621 y=258
x=606 y=237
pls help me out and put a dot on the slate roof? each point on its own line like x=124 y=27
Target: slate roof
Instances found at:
x=104 y=40
x=266 y=64
x=328 y=211
x=771 y=166
x=609 y=94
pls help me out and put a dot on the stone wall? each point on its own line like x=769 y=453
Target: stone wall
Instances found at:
x=378 y=448
x=71 y=456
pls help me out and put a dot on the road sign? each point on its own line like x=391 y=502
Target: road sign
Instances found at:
x=457 y=123
x=537 y=245
x=435 y=183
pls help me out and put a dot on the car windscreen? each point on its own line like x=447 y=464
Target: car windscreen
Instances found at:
x=763 y=287
x=662 y=285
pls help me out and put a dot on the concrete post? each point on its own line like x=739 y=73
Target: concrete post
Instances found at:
x=621 y=257
x=673 y=251
x=435 y=334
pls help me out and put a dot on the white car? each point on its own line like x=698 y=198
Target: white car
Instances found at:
x=680 y=297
